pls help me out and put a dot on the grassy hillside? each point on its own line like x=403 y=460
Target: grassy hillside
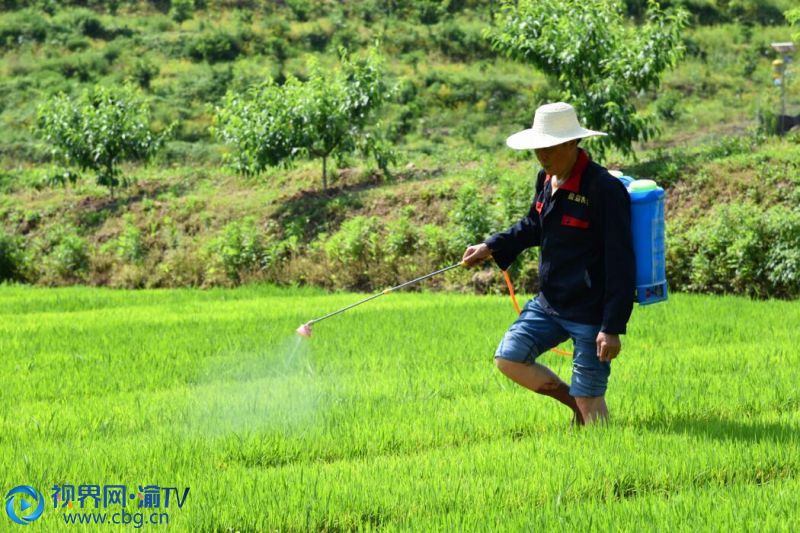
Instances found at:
x=393 y=414
x=188 y=220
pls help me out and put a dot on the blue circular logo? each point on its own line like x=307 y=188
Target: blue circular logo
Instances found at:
x=23 y=493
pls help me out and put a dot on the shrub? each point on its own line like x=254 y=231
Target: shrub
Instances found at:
x=750 y=60
x=21 y=26
x=319 y=37
x=430 y=12
x=514 y=196
x=729 y=145
x=129 y=244
x=238 y=248
x=380 y=146
x=402 y=236
x=783 y=254
x=7 y=182
x=407 y=39
x=69 y=254
x=11 y=257
x=668 y=105
x=77 y=43
x=180 y=267
x=181 y=10
x=347 y=37
x=768 y=122
x=737 y=248
x=406 y=91
x=60 y=178
x=188 y=153
x=358 y=241
x=143 y=72
x=434 y=240
x=209 y=85
x=83 y=21
x=729 y=251
x=462 y=43
x=214 y=46
x=472 y=217
x=301 y=9
x=84 y=67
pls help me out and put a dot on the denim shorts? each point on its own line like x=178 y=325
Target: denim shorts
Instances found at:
x=536 y=331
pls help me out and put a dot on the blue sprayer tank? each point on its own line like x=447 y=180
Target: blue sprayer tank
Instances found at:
x=647 y=226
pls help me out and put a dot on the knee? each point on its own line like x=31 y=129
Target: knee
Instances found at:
x=507 y=366
x=504 y=365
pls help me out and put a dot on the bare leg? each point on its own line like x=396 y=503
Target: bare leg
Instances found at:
x=593 y=409
x=541 y=380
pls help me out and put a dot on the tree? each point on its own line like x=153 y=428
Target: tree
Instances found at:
x=272 y=125
x=598 y=60
x=99 y=129
x=793 y=17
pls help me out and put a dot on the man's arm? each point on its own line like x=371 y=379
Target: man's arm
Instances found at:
x=620 y=263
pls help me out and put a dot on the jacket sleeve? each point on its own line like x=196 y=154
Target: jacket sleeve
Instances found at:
x=507 y=245
x=620 y=265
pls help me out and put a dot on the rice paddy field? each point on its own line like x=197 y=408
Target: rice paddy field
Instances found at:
x=393 y=416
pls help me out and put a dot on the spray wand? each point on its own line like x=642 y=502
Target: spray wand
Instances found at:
x=305 y=329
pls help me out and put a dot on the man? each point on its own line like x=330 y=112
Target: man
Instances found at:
x=580 y=218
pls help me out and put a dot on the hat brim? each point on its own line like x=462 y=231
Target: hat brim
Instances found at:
x=531 y=140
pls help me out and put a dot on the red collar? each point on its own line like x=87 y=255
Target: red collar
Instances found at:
x=573 y=184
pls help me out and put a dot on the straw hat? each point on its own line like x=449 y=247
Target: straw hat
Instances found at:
x=553 y=124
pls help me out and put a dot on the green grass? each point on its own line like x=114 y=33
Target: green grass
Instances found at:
x=393 y=415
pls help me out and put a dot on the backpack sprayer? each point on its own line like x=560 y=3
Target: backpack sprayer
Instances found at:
x=647 y=226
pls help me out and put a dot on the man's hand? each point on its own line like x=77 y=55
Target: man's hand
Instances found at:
x=608 y=346
x=476 y=253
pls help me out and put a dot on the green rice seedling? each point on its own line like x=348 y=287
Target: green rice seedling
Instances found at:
x=393 y=415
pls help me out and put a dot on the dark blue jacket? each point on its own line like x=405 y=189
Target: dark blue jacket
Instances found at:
x=586 y=268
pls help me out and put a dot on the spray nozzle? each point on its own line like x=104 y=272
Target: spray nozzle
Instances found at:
x=304 y=330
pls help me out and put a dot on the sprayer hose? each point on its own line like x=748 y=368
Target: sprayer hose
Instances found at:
x=516 y=307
